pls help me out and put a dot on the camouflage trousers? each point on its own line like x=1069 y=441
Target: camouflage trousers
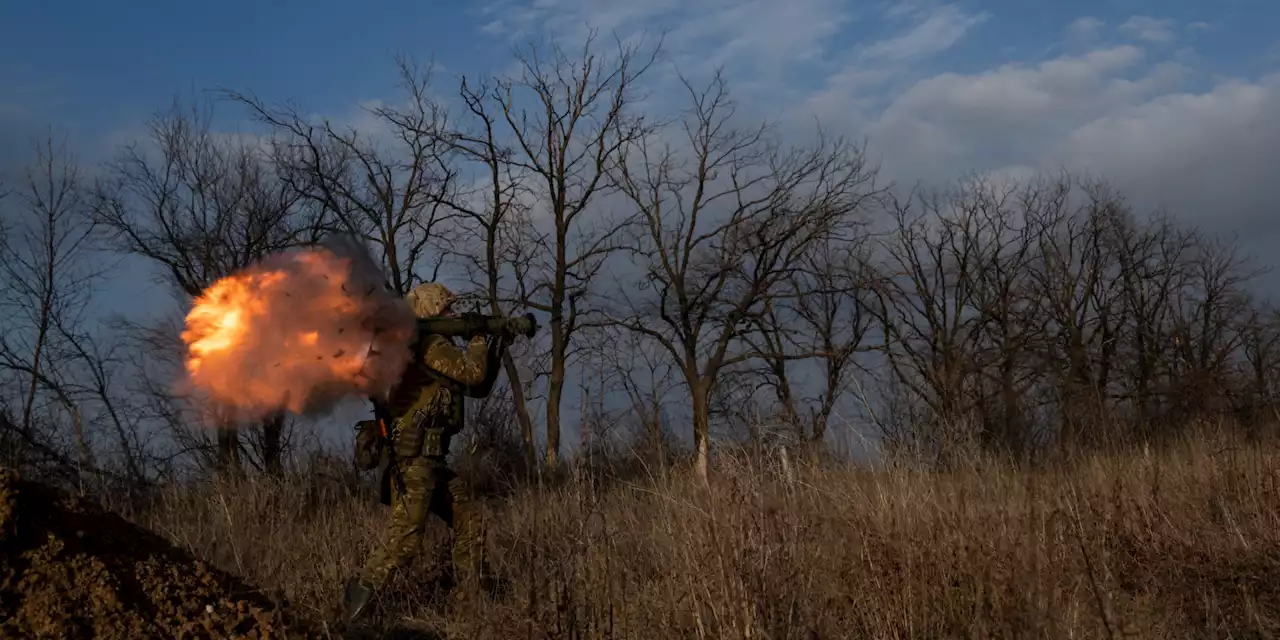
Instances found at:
x=430 y=487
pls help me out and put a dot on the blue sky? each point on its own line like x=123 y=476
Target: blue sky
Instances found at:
x=1176 y=101
x=94 y=68
x=97 y=69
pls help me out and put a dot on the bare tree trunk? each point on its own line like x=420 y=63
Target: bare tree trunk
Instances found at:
x=228 y=451
x=273 y=444
x=555 y=391
x=37 y=354
x=46 y=309
x=521 y=405
x=522 y=411
x=701 y=429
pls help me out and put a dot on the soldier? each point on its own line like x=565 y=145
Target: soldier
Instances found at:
x=421 y=414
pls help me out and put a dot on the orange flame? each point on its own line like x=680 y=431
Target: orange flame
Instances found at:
x=297 y=332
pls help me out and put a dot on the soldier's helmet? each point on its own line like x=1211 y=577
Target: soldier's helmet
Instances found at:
x=430 y=299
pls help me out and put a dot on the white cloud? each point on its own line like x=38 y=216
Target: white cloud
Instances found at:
x=700 y=33
x=764 y=45
x=949 y=122
x=935 y=31
x=1207 y=155
x=1150 y=29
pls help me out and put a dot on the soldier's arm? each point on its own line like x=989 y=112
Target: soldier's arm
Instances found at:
x=465 y=367
x=492 y=368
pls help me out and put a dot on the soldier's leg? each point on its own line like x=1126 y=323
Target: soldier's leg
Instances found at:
x=408 y=521
x=461 y=512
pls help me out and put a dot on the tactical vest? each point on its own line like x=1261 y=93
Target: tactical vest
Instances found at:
x=421 y=389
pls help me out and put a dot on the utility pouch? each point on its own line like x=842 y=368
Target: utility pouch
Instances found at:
x=368 y=444
x=408 y=439
x=436 y=442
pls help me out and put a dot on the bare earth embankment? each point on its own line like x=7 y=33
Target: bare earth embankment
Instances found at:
x=69 y=569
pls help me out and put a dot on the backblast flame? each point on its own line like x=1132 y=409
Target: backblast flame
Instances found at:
x=298 y=332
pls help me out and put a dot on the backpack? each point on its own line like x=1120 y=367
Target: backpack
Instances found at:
x=372 y=441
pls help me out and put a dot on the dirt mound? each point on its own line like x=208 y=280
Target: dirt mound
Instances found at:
x=69 y=569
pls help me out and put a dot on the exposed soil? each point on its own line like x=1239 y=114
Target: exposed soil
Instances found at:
x=69 y=569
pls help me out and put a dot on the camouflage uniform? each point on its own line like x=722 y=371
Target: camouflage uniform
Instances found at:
x=422 y=415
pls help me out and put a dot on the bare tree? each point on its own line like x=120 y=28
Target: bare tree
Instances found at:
x=1075 y=277
x=47 y=287
x=721 y=231
x=1152 y=257
x=927 y=309
x=547 y=137
x=200 y=206
x=1260 y=355
x=1212 y=316
x=497 y=209
x=644 y=374
x=823 y=316
x=385 y=184
x=1008 y=308
x=102 y=365
x=1012 y=326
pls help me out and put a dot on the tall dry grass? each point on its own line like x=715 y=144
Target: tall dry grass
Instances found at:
x=1179 y=542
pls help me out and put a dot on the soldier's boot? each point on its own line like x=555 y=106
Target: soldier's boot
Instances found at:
x=355 y=599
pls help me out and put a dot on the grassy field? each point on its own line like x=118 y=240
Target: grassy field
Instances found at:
x=1179 y=542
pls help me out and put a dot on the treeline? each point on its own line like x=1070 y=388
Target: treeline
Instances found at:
x=1046 y=313
x=692 y=268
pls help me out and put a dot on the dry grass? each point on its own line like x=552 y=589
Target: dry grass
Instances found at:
x=1178 y=543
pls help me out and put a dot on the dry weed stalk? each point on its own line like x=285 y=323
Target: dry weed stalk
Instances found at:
x=1169 y=543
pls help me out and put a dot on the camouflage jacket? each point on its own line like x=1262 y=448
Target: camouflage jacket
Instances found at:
x=434 y=383
x=427 y=406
